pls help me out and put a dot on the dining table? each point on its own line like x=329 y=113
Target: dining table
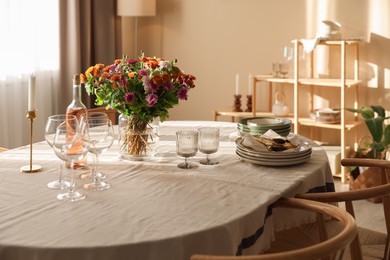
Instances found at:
x=153 y=209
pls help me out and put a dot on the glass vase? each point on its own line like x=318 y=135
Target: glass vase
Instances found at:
x=138 y=139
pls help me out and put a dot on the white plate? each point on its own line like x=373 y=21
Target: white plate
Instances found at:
x=304 y=148
x=274 y=155
x=275 y=162
x=265 y=121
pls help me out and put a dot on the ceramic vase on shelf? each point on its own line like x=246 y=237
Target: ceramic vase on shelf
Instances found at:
x=138 y=140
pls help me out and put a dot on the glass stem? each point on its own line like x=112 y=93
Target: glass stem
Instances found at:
x=72 y=181
x=61 y=178
x=186 y=162
x=95 y=178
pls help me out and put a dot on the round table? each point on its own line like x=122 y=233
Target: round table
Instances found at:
x=153 y=210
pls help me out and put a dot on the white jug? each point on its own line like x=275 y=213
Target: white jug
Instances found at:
x=279 y=108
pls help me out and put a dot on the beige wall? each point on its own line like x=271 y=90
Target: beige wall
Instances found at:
x=215 y=39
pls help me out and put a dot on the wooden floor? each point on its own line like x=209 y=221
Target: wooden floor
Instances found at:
x=368 y=214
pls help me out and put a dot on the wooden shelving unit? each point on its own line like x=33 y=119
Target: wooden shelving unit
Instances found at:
x=296 y=82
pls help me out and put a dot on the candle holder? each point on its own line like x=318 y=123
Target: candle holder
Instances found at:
x=31 y=115
x=248 y=103
x=237 y=103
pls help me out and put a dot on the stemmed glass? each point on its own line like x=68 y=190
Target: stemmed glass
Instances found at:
x=99 y=138
x=186 y=146
x=50 y=129
x=93 y=115
x=68 y=135
x=208 y=143
x=288 y=54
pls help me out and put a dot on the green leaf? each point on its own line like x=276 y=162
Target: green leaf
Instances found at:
x=379 y=110
x=375 y=127
x=352 y=110
x=367 y=112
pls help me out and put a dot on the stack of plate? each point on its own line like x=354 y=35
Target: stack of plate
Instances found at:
x=260 y=125
x=271 y=158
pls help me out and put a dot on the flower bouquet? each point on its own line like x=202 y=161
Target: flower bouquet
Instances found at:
x=140 y=90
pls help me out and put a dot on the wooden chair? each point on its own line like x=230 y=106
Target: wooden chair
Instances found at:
x=368 y=243
x=332 y=248
x=111 y=113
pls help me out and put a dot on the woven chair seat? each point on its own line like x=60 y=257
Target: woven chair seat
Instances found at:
x=372 y=242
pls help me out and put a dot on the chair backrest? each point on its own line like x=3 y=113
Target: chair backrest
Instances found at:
x=349 y=196
x=111 y=113
x=332 y=248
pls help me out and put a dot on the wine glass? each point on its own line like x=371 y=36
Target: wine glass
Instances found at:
x=93 y=115
x=50 y=129
x=288 y=53
x=68 y=136
x=99 y=138
x=186 y=146
x=208 y=143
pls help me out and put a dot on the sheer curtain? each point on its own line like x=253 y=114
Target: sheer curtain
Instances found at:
x=53 y=39
x=29 y=45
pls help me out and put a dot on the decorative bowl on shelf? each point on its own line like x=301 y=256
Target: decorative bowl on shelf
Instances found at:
x=325 y=115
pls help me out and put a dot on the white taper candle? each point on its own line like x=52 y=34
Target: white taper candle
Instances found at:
x=31 y=93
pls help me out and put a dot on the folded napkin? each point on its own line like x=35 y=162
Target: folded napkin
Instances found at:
x=250 y=142
x=309 y=44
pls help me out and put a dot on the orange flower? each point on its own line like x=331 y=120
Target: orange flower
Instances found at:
x=105 y=75
x=95 y=72
x=83 y=79
x=99 y=66
x=107 y=68
x=157 y=79
x=131 y=75
x=116 y=77
x=166 y=77
x=89 y=71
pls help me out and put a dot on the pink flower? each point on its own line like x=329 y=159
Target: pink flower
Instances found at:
x=152 y=99
x=182 y=93
x=129 y=97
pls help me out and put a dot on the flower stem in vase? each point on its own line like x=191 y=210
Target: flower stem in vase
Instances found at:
x=136 y=137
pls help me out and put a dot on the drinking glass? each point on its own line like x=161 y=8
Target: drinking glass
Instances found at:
x=99 y=138
x=68 y=136
x=208 y=143
x=288 y=53
x=50 y=129
x=275 y=69
x=186 y=146
x=283 y=69
x=93 y=115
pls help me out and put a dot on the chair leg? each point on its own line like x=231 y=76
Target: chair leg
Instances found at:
x=355 y=249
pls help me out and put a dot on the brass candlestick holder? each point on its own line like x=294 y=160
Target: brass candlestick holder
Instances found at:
x=237 y=103
x=248 y=103
x=31 y=115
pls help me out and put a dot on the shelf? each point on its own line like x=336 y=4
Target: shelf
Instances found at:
x=350 y=41
x=270 y=78
x=228 y=112
x=328 y=82
x=306 y=81
x=309 y=122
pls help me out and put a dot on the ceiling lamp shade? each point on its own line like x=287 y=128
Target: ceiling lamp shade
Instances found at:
x=136 y=7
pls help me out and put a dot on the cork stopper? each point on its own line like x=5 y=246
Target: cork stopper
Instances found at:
x=76 y=79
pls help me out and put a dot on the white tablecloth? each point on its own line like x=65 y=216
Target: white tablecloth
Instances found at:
x=153 y=210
